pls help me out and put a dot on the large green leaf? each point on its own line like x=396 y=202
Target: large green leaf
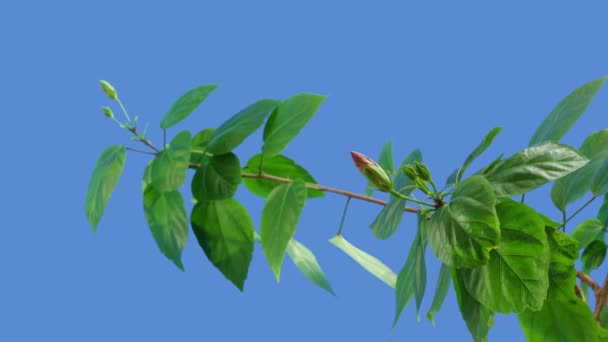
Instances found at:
x=443 y=284
x=307 y=263
x=367 y=261
x=411 y=280
x=463 y=232
x=589 y=231
x=279 y=166
x=168 y=170
x=387 y=222
x=199 y=145
x=218 y=179
x=279 y=220
x=599 y=182
x=478 y=318
x=485 y=143
x=168 y=221
x=185 y=105
x=533 y=167
x=564 y=317
x=232 y=132
x=574 y=185
x=287 y=121
x=516 y=277
x=566 y=113
x=103 y=181
x=602 y=214
x=385 y=160
x=225 y=232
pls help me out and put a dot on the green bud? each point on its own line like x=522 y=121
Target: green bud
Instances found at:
x=372 y=171
x=108 y=112
x=410 y=172
x=422 y=171
x=421 y=184
x=108 y=89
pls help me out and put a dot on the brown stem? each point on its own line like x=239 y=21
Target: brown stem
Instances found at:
x=144 y=140
x=601 y=299
x=587 y=280
x=316 y=187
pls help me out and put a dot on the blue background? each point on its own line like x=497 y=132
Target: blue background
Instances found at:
x=436 y=76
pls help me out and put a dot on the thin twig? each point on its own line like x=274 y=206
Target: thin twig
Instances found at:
x=601 y=299
x=575 y=213
x=144 y=140
x=140 y=151
x=587 y=280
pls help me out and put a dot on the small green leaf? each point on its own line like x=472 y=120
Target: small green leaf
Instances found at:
x=225 y=232
x=463 y=232
x=515 y=278
x=287 y=121
x=199 y=145
x=169 y=168
x=485 y=143
x=367 y=261
x=478 y=318
x=279 y=166
x=279 y=220
x=168 y=221
x=385 y=160
x=232 y=132
x=387 y=222
x=412 y=277
x=533 y=167
x=563 y=317
x=185 y=105
x=589 y=231
x=307 y=263
x=218 y=179
x=602 y=214
x=103 y=181
x=594 y=255
x=566 y=113
x=443 y=284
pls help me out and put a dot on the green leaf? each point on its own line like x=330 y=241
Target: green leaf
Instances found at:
x=564 y=317
x=307 y=263
x=443 y=284
x=515 y=278
x=533 y=167
x=232 y=132
x=478 y=318
x=463 y=232
x=287 y=121
x=566 y=113
x=593 y=255
x=599 y=182
x=387 y=222
x=185 y=105
x=103 y=181
x=218 y=179
x=574 y=185
x=385 y=160
x=168 y=221
x=602 y=214
x=199 y=145
x=168 y=170
x=485 y=143
x=589 y=231
x=279 y=220
x=604 y=317
x=225 y=232
x=279 y=166
x=367 y=261
x=412 y=277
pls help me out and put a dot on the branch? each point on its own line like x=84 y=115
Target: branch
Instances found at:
x=319 y=187
x=601 y=299
x=144 y=140
x=587 y=280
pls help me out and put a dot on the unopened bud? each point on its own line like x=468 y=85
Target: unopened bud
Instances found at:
x=410 y=172
x=372 y=171
x=108 y=112
x=108 y=89
x=421 y=184
x=422 y=171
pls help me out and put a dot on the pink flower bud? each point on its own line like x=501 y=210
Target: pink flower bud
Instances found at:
x=372 y=171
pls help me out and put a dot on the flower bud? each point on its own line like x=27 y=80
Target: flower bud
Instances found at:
x=372 y=171
x=410 y=172
x=108 y=89
x=108 y=112
x=422 y=171
x=421 y=184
